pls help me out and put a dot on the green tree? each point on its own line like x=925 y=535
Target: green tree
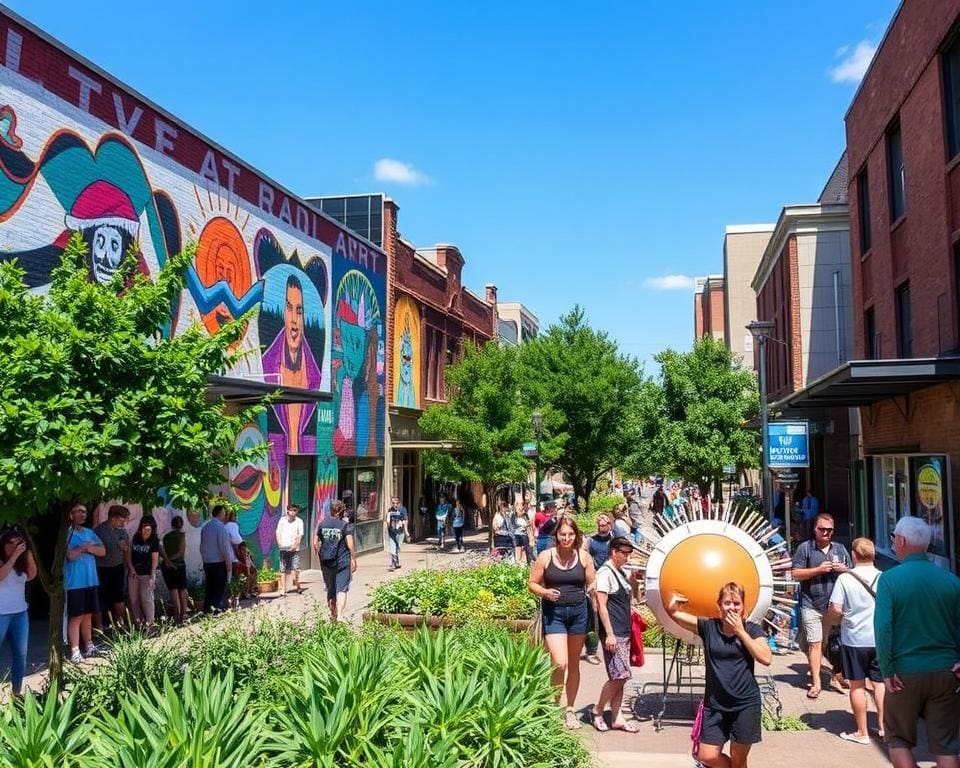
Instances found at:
x=97 y=403
x=485 y=417
x=590 y=394
x=695 y=421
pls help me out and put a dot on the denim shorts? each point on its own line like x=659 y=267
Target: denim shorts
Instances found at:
x=565 y=619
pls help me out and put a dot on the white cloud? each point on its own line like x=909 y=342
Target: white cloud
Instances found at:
x=669 y=283
x=854 y=63
x=398 y=172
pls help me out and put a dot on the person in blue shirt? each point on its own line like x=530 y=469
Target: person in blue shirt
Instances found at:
x=81 y=582
x=811 y=508
x=442 y=513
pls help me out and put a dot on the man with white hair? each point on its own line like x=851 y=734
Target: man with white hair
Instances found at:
x=916 y=625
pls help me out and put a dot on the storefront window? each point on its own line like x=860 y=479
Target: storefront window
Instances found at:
x=368 y=494
x=359 y=488
x=891 y=496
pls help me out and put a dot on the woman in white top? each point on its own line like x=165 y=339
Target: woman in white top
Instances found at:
x=522 y=544
x=17 y=567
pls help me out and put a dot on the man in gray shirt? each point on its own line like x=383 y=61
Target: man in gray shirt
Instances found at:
x=216 y=551
x=113 y=567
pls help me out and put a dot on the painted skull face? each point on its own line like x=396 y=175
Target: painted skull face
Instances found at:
x=354 y=340
x=406 y=357
x=106 y=252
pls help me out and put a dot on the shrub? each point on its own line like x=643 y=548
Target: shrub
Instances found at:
x=489 y=591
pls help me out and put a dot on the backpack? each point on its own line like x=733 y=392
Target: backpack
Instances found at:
x=331 y=539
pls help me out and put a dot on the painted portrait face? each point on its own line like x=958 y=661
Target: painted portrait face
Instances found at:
x=106 y=252
x=354 y=340
x=293 y=317
x=406 y=357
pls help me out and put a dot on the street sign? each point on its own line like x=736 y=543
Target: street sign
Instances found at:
x=787 y=444
x=729 y=469
x=788 y=478
x=530 y=449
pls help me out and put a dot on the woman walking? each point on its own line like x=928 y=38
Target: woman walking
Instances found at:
x=614 y=593
x=457 y=521
x=561 y=577
x=334 y=545
x=546 y=522
x=502 y=532
x=731 y=701
x=17 y=567
x=521 y=535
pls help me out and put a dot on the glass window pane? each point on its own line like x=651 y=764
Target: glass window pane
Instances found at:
x=333 y=207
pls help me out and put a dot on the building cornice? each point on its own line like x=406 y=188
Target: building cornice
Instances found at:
x=799 y=219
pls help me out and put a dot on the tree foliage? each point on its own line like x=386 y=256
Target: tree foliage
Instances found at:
x=96 y=402
x=590 y=395
x=485 y=417
x=694 y=419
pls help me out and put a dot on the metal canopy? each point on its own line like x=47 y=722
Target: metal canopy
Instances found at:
x=864 y=382
x=241 y=391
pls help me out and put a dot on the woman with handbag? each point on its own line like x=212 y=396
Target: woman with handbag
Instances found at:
x=614 y=591
x=731 y=700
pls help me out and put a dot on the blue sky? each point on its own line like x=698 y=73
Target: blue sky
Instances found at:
x=573 y=151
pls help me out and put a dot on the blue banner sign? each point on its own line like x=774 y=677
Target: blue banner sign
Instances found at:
x=787 y=444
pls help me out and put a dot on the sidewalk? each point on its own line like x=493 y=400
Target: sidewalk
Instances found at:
x=827 y=716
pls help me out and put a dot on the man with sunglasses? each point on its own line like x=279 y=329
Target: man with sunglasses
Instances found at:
x=816 y=565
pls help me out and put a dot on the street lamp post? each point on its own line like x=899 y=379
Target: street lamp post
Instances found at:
x=761 y=331
x=537 y=419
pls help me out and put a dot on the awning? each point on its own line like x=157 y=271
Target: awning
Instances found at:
x=241 y=391
x=424 y=445
x=864 y=382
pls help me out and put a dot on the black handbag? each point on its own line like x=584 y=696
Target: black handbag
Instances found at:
x=833 y=652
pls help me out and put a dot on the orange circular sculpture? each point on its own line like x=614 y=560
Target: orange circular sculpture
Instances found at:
x=700 y=565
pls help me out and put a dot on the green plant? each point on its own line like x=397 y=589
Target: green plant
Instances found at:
x=267 y=574
x=205 y=723
x=237 y=584
x=772 y=722
x=43 y=732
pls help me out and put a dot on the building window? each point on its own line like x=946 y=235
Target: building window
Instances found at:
x=863 y=204
x=951 y=95
x=898 y=202
x=870 y=335
x=904 y=324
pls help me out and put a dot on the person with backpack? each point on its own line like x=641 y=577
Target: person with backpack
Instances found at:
x=334 y=545
x=853 y=602
x=614 y=591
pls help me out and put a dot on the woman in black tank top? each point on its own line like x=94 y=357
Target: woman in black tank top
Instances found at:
x=561 y=577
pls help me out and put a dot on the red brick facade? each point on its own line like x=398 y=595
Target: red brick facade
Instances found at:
x=779 y=300
x=905 y=88
x=708 y=309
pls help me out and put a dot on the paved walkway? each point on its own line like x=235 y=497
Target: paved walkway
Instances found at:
x=827 y=716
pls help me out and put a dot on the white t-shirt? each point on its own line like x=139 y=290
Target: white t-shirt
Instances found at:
x=13 y=593
x=856 y=629
x=608 y=582
x=288 y=531
x=233 y=531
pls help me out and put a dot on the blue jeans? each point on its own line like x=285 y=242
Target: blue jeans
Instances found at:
x=15 y=630
x=393 y=540
x=441 y=531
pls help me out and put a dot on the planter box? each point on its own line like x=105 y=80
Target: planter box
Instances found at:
x=267 y=586
x=411 y=621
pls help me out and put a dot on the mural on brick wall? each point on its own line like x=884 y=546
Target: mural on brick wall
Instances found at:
x=78 y=153
x=406 y=353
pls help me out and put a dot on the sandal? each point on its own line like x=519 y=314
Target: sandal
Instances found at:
x=571 y=721
x=625 y=727
x=813 y=693
x=599 y=723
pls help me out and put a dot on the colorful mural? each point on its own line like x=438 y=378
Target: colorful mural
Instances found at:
x=80 y=153
x=406 y=353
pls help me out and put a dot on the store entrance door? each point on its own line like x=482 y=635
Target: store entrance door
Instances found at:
x=300 y=492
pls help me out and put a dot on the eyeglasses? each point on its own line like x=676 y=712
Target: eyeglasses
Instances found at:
x=893 y=537
x=825 y=530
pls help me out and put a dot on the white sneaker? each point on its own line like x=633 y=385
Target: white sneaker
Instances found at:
x=92 y=650
x=75 y=657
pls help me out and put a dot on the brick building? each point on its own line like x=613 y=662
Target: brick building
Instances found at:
x=903 y=139
x=82 y=152
x=743 y=247
x=803 y=285
x=708 y=307
x=430 y=316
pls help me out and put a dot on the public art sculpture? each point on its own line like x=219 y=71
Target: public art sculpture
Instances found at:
x=696 y=553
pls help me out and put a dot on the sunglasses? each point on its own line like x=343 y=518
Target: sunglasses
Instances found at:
x=825 y=530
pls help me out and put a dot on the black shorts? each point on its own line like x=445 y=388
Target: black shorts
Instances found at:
x=80 y=602
x=175 y=577
x=860 y=663
x=289 y=561
x=741 y=726
x=113 y=583
x=336 y=578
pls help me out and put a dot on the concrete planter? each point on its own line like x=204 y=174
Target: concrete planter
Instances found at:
x=267 y=586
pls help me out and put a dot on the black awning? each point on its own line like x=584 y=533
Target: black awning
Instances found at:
x=235 y=390
x=863 y=382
